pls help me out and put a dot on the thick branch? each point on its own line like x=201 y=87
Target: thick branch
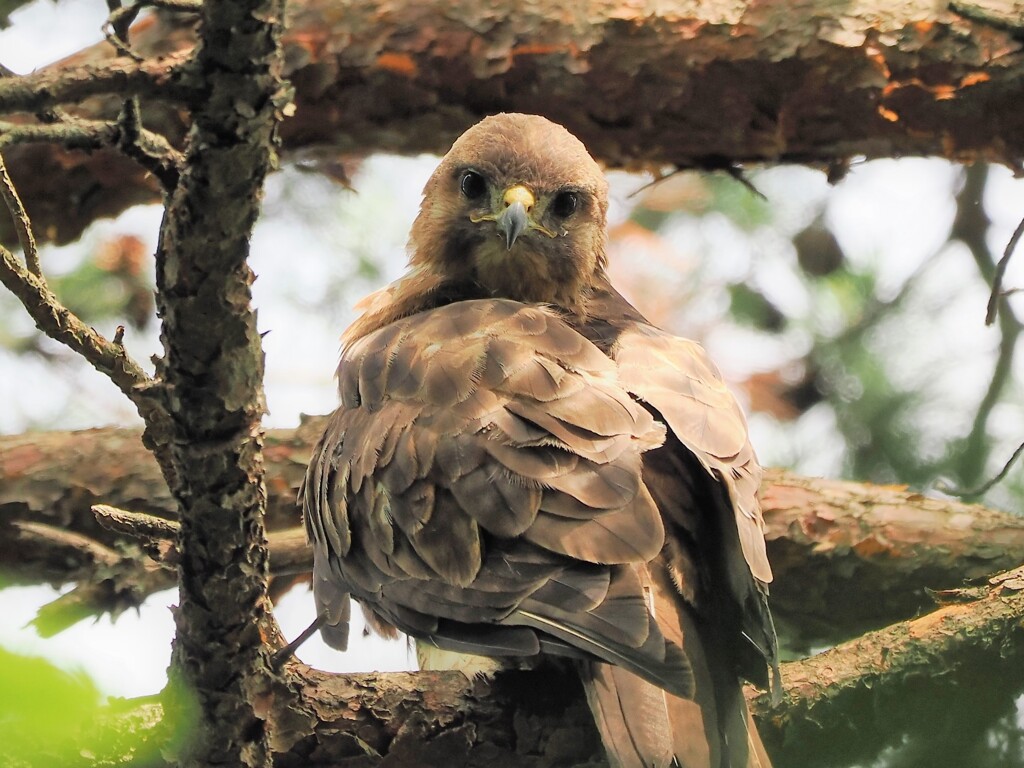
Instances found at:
x=702 y=85
x=835 y=545
x=849 y=701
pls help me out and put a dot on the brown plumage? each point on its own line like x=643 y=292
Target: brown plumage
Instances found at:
x=522 y=464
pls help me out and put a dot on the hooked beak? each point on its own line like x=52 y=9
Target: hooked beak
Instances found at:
x=514 y=220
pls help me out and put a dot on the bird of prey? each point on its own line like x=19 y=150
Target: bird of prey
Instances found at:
x=522 y=464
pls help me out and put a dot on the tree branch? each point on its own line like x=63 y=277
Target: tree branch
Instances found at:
x=56 y=321
x=711 y=84
x=68 y=83
x=21 y=222
x=849 y=702
x=835 y=546
x=938 y=666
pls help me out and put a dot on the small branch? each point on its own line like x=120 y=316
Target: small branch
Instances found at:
x=290 y=553
x=997 y=278
x=74 y=546
x=21 y=221
x=970 y=226
x=150 y=150
x=82 y=134
x=127 y=586
x=118 y=23
x=58 y=322
x=115 y=29
x=981 y=490
x=138 y=525
x=46 y=88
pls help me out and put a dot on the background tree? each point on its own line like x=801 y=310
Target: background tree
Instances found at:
x=183 y=106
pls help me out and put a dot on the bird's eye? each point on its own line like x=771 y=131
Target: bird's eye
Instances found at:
x=473 y=185
x=565 y=204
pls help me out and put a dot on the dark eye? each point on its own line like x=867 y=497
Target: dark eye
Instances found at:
x=473 y=185
x=565 y=204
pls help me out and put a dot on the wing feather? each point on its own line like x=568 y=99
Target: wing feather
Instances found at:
x=677 y=379
x=485 y=462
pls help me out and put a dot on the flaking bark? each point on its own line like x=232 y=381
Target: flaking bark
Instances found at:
x=699 y=85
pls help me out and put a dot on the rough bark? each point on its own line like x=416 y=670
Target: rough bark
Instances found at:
x=847 y=556
x=212 y=376
x=643 y=85
x=856 y=556
x=936 y=677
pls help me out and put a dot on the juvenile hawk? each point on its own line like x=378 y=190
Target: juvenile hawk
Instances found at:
x=522 y=464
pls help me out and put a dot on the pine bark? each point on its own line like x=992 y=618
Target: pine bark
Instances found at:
x=836 y=546
x=911 y=681
x=698 y=85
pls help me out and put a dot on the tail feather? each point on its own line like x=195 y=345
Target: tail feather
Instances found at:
x=639 y=723
x=643 y=726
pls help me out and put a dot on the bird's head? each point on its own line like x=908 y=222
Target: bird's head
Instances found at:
x=516 y=207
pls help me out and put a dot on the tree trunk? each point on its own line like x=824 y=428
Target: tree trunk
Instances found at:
x=212 y=380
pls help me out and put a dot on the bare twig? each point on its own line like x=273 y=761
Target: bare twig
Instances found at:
x=117 y=25
x=21 y=221
x=115 y=29
x=734 y=171
x=48 y=87
x=136 y=524
x=970 y=227
x=739 y=174
x=150 y=150
x=58 y=322
x=985 y=487
x=997 y=278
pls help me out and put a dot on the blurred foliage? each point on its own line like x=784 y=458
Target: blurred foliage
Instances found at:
x=834 y=338
x=51 y=717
